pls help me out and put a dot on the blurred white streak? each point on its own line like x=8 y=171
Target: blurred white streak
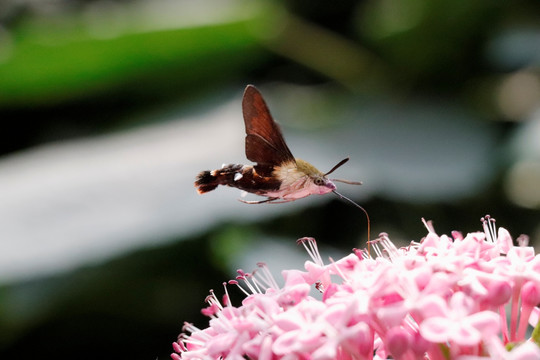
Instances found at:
x=70 y=203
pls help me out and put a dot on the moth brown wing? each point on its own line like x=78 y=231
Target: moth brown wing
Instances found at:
x=264 y=141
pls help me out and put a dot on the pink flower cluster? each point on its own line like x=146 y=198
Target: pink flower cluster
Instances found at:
x=441 y=298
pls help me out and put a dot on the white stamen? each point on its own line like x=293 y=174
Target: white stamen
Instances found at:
x=429 y=226
x=265 y=277
x=488 y=223
x=312 y=249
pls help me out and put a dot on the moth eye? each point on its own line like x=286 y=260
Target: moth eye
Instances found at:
x=319 y=181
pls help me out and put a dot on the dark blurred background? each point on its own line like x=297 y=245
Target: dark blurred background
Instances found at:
x=110 y=108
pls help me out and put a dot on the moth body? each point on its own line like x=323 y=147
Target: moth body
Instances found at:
x=276 y=174
x=289 y=181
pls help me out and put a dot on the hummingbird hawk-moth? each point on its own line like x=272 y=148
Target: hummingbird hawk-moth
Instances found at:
x=277 y=174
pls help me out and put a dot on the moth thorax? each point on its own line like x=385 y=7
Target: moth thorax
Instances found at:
x=308 y=169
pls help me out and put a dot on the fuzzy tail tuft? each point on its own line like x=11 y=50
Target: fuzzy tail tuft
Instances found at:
x=206 y=182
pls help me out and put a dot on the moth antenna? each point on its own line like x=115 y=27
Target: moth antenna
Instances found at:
x=361 y=208
x=348 y=181
x=337 y=165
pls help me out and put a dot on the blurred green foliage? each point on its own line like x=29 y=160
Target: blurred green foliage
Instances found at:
x=55 y=62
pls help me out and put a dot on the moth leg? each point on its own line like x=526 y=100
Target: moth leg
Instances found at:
x=258 y=202
x=279 y=202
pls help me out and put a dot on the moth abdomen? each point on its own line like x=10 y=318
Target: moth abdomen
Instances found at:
x=209 y=180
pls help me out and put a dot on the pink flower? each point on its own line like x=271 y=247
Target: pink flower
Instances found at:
x=457 y=322
x=440 y=298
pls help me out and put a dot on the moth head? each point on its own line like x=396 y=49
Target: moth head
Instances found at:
x=317 y=182
x=324 y=184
